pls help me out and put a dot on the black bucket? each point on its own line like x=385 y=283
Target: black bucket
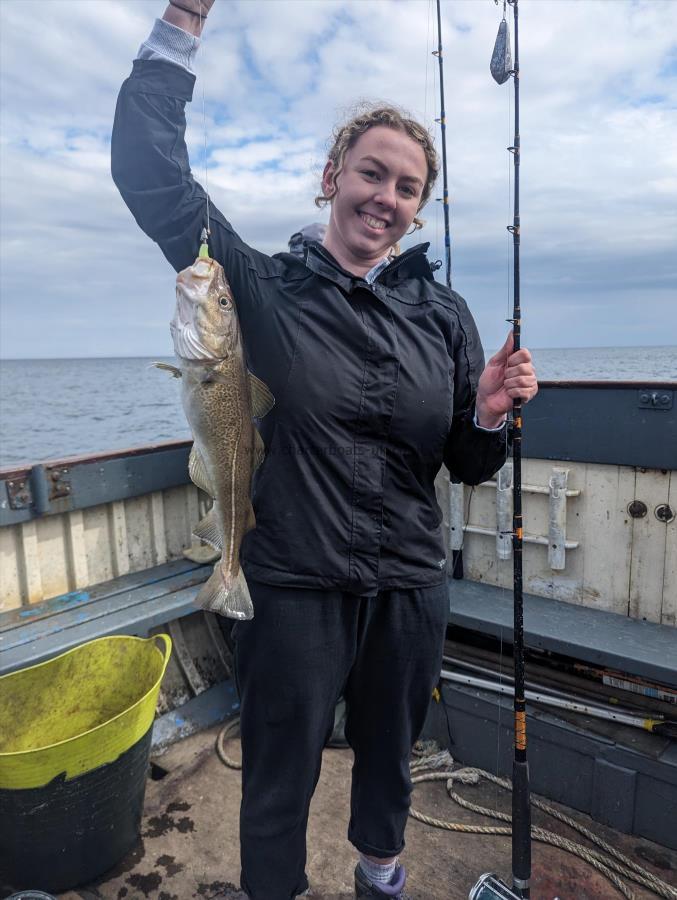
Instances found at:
x=75 y=737
x=73 y=830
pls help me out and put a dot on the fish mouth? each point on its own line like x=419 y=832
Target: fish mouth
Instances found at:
x=187 y=343
x=201 y=268
x=183 y=310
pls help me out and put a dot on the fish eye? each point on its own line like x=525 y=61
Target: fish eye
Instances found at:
x=224 y=302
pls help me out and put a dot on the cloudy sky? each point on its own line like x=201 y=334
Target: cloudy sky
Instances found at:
x=599 y=161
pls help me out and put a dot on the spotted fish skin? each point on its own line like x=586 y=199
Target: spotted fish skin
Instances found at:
x=220 y=397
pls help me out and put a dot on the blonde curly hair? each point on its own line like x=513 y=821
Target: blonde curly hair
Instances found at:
x=366 y=116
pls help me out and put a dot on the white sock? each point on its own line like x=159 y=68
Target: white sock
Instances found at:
x=375 y=872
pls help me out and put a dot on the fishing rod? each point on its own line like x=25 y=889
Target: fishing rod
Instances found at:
x=443 y=127
x=490 y=887
x=456 y=555
x=521 y=805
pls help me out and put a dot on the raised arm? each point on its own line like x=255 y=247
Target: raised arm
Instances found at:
x=149 y=158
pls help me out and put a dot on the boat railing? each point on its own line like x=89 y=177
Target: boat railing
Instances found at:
x=600 y=502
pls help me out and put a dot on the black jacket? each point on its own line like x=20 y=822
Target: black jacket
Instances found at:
x=374 y=384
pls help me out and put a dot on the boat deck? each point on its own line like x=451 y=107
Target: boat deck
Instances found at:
x=189 y=845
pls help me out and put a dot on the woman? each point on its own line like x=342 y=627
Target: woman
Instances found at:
x=379 y=377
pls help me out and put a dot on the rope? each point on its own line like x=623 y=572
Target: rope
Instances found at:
x=229 y=731
x=611 y=868
x=428 y=757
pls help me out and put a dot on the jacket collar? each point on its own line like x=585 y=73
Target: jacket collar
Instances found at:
x=413 y=263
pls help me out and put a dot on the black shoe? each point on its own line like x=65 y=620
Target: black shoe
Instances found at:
x=394 y=888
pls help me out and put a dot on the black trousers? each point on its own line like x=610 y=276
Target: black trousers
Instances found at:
x=302 y=649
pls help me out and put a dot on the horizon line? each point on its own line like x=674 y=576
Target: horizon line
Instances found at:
x=168 y=355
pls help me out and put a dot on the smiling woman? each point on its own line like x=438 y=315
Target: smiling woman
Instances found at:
x=387 y=165
x=378 y=375
x=375 y=196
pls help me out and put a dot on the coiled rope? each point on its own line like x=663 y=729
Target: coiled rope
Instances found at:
x=229 y=731
x=611 y=865
x=431 y=764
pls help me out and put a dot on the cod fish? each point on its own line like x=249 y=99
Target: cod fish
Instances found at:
x=220 y=397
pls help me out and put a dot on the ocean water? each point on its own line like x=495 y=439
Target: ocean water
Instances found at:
x=52 y=408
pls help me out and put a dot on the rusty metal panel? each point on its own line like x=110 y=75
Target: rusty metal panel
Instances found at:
x=85 y=481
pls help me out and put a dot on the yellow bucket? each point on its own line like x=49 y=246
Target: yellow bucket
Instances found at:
x=79 y=710
x=74 y=742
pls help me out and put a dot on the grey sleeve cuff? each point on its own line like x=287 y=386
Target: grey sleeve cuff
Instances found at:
x=481 y=428
x=168 y=42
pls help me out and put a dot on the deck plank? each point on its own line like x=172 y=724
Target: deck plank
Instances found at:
x=132 y=608
x=77 y=552
x=630 y=645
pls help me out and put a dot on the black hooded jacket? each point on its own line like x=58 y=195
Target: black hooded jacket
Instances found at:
x=374 y=383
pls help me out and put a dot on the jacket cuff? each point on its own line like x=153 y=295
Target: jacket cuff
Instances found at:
x=167 y=41
x=490 y=430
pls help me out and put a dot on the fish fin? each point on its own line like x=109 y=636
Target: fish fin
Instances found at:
x=177 y=373
x=251 y=519
x=208 y=530
x=202 y=554
x=259 y=450
x=262 y=400
x=197 y=471
x=226 y=596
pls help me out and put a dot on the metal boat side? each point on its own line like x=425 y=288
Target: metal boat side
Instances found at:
x=599 y=474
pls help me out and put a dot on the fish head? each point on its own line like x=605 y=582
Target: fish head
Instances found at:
x=205 y=323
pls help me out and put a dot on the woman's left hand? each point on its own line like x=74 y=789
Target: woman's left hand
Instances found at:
x=506 y=377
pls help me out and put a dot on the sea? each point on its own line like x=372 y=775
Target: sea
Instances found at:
x=55 y=408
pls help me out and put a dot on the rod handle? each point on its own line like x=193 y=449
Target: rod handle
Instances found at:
x=521 y=825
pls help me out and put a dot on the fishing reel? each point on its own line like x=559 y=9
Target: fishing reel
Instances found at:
x=489 y=887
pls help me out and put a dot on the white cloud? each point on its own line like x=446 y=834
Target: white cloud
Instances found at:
x=599 y=173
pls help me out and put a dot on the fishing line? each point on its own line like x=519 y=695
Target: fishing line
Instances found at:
x=427 y=61
x=435 y=94
x=508 y=238
x=508 y=303
x=499 y=706
x=508 y=306
x=204 y=236
x=443 y=131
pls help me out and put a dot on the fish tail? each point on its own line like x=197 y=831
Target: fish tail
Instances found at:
x=226 y=596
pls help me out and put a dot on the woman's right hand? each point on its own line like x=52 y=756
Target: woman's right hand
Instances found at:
x=189 y=15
